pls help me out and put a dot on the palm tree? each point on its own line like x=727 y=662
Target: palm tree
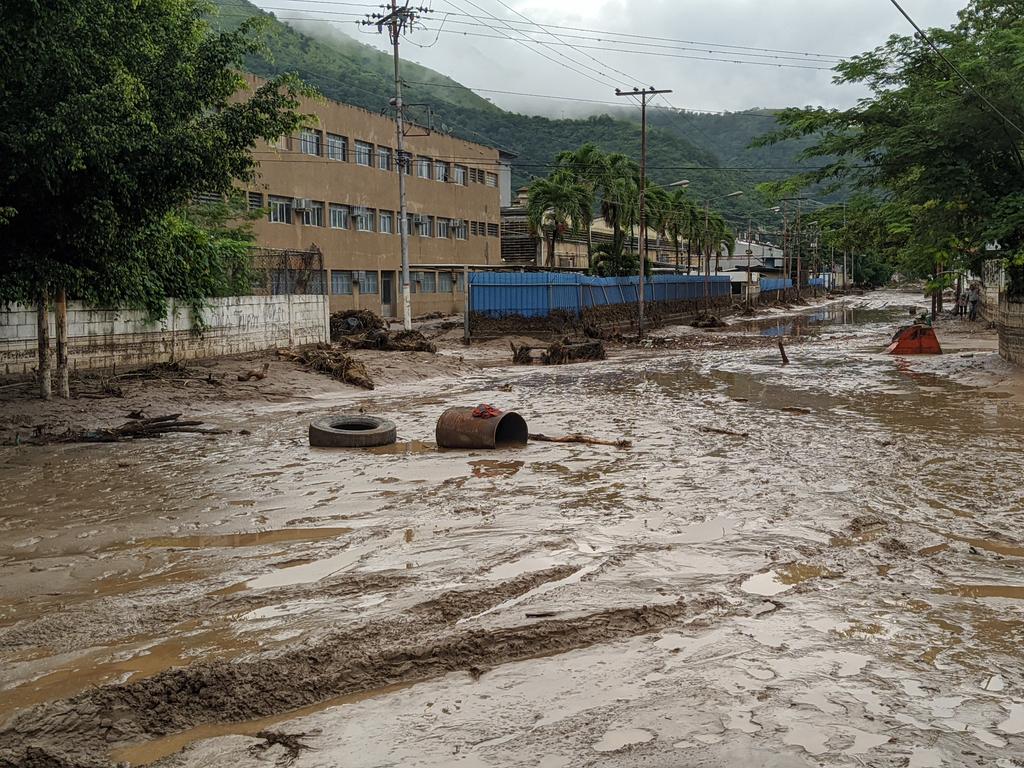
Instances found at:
x=618 y=189
x=556 y=205
x=680 y=222
x=587 y=164
x=657 y=211
x=718 y=235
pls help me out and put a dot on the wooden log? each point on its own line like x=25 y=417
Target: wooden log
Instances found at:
x=577 y=438
x=785 y=357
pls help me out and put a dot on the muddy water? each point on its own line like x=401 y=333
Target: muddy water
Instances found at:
x=864 y=539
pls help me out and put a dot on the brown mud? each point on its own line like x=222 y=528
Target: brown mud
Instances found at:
x=841 y=587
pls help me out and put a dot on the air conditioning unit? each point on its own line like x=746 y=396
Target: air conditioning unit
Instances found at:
x=458 y=223
x=302 y=203
x=419 y=218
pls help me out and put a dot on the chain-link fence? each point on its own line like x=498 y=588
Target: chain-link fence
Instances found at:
x=277 y=272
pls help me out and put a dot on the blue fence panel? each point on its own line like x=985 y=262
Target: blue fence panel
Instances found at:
x=775 y=284
x=537 y=294
x=820 y=282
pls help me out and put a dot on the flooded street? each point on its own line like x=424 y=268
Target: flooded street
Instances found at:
x=840 y=582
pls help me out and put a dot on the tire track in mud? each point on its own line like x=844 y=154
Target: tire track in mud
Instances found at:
x=426 y=643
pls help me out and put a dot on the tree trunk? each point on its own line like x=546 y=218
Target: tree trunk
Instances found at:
x=689 y=255
x=718 y=256
x=590 y=243
x=43 y=337
x=61 y=338
x=551 y=252
x=676 y=240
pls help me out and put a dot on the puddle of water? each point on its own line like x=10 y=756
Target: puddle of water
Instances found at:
x=232 y=540
x=784 y=578
x=157 y=749
x=621 y=738
x=985 y=590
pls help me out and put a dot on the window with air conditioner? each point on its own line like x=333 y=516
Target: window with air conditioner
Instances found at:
x=459 y=229
x=364 y=219
x=313 y=214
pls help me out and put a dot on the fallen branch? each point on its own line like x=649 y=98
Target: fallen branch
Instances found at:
x=782 y=349
x=132 y=430
x=326 y=359
x=718 y=431
x=577 y=438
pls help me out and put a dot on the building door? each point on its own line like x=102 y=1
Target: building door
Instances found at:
x=387 y=294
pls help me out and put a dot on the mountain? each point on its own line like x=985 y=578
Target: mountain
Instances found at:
x=706 y=149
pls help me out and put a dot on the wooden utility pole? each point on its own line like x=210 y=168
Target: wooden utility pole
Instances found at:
x=644 y=94
x=799 y=255
x=397 y=21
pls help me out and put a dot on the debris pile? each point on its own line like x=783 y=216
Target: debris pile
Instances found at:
x=325 y=358
x=389 y=341
x=559 y=352
x=354 y=321
x=707 y=320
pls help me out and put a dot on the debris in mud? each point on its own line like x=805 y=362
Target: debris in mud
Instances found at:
x=388 y=341
x=719 y=431
x=255 y=373
x=354 y=321
x=291 y=742
x=782 y=350
x=325 y=358
x=706 y=320
x=797 y=410
x=578 y=438
x=138 y=429
x=559 y=352
x=866 y=523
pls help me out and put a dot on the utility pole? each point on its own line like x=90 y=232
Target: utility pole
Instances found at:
x=397 y=21
x=644 y=94
x=846 y=248
x=799 y=255
x=750 y=252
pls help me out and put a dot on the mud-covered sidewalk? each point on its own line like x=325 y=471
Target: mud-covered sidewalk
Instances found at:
x=841 y=586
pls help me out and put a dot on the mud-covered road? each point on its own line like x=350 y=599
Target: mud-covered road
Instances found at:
x=843 y=586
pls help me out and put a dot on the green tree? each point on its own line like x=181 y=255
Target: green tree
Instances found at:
x=587 y=165
x=557 y=205
x=681 y=223
x=619 y=198
x=113 y=117
x=947 y=171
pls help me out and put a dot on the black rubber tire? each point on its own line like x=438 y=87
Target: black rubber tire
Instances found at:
x=351 y=432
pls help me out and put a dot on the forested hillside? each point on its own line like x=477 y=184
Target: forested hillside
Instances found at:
x=680 y=145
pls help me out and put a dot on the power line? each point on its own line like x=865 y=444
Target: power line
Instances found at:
x=604 y=33
x=921 y=34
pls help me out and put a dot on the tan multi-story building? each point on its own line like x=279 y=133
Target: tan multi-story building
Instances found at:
x=335 y=185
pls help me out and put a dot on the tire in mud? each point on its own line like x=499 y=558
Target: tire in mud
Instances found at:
x=351 y=432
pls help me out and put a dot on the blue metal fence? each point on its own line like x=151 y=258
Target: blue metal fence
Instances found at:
x=818 y=282
x=537 y=294
x=775 y=284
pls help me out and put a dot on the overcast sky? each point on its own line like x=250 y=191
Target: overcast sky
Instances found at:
x=830 y=27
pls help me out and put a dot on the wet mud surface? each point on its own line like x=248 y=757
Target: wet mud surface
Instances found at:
x=842 y=586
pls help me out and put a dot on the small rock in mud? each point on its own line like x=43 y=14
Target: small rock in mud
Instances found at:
x=894 y=545
x=865 y=523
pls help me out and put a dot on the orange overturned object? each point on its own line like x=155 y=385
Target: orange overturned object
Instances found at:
x=915 y=339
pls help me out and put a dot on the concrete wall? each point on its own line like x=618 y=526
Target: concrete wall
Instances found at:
x=105 y=338
x=1010 y=321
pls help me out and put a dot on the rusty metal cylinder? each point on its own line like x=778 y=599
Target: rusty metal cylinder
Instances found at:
x=458 y=428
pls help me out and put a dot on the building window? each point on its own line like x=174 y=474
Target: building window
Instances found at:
x=460 y=175
x=364 y=219
x=341 y=282
x=459 y=229
x=280 y=210
x=440 y=171
x=443 y=227
x=427 y=282
x=472 y=228
x=207 y=198
x=364 y=153
x=283 y=143
x=444 y=282
x=313 y=216
x=424 y=225
x=255 y=201
x=384 y=158
x=476 y=176
x=492 y=179
x=386 y=223
x=337 y=147
x=492 y=230
x=339 y=216
x=423 y=167
x=309 y=142
x=368 y=283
